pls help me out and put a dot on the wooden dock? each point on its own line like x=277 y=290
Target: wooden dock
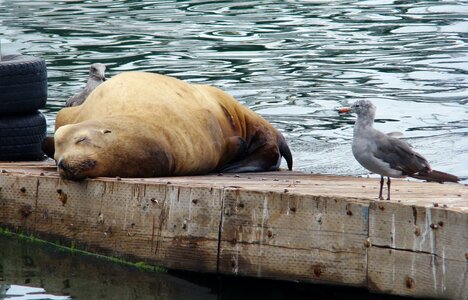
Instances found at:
x=280 y=225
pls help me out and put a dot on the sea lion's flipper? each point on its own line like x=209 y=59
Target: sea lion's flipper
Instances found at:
x=285 y=151
x=235 y=148
x=265 y=158
x=48 y=146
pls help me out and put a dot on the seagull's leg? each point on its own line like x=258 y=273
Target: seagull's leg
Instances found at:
x=381 y=187
x=388 y=188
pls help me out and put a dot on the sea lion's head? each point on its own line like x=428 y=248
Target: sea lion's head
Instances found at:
x=82 y=150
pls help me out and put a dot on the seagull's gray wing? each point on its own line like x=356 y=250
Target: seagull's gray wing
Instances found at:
x=399 y=155
x=72 y=100
x=77 y=99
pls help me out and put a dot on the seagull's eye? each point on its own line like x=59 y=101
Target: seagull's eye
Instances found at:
x=357 y=105
x=93 y=69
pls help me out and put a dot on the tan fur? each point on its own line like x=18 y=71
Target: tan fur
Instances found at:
x=141 y=124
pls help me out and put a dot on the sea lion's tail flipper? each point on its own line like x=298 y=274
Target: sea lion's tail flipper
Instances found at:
x=437 y=176
x=284 y=150
x=48 y=146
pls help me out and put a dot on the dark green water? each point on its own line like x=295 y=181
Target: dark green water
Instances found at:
x=293 y=62
x=57 y=274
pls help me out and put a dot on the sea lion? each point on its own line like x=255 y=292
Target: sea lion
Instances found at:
x=140 y=124
x=96 y=77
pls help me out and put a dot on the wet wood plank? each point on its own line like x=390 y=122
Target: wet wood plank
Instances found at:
x=280 y=225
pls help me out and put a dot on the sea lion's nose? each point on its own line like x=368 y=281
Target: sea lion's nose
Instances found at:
x=60 y=163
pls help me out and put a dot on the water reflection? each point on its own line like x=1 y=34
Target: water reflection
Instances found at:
x=40 y=272
x=291 y=61
x=64 y=274
x=18 y=292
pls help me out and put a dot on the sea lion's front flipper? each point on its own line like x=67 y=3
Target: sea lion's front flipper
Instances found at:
x=235 y=148
x=265 y=158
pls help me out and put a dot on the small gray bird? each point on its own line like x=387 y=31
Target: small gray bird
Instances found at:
x=386 y=155
x=96 y=77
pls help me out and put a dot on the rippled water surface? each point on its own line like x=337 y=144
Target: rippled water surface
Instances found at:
x=293 y=62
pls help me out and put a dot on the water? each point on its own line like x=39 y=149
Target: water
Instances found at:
x=30 y=271
x=293 y=62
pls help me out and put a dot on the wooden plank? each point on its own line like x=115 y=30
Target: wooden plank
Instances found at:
x=281 y=225
x=417 y=274
x=424 y=246
x=166 y=225
x=24 y=194
x=408 y=192
x=314 y=239
x=434 y=230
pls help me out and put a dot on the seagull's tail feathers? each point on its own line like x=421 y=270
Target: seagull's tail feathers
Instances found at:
x=437 y=176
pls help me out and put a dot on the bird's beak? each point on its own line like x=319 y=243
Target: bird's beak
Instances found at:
x=344 y=110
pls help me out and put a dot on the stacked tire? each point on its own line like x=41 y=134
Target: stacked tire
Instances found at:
x=23 y=91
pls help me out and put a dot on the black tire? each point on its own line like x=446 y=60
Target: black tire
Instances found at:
x=21 y=137
x=23 y=84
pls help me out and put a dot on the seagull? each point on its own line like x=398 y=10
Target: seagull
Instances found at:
x=385 y=154
x=96 y=77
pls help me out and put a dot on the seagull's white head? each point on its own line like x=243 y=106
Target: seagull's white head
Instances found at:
x=364 y=109
x=97 y=71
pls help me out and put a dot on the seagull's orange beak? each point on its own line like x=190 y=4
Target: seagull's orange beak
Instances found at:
x=343 y=110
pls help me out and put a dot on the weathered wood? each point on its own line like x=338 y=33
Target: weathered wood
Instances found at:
x=280 y=225
x=317 y=239
x=418 y=250
x=420 y=229
x=161 y=223
x=420 y=274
